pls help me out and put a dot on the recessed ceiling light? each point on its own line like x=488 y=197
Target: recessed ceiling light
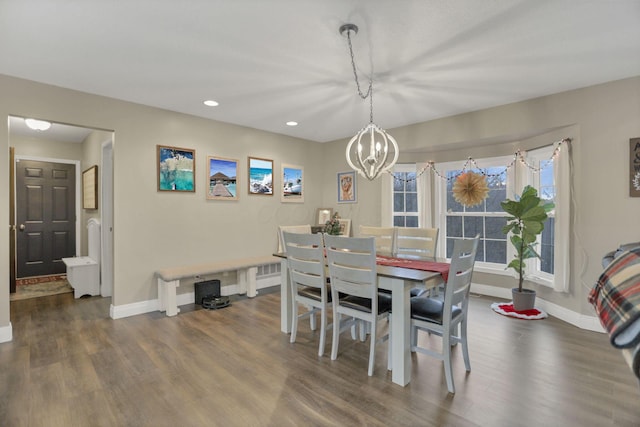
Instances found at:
x=210 y=103
x=292 y=123
x=37 y=124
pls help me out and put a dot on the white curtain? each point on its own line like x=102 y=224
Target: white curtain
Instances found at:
x=425 y=195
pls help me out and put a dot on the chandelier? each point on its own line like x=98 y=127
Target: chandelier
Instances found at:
x=382 y=152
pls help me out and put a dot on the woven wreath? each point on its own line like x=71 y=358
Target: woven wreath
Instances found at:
x=470 y=189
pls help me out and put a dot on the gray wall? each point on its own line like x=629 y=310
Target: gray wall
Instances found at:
x=154 y=230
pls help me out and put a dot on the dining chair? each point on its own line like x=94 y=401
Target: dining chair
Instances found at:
x=417 y=243
x=354 y=290
x=305 y=228
x=306 y=264
x=385 y=238
x=447 y=317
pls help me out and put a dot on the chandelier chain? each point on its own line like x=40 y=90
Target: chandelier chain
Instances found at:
x=369 y=93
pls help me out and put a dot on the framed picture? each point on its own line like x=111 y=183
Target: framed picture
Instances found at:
x=222 y=177
x=324 y=215
x=260 y=176
x=292 y=184
x=347 y=187
x=634 y=167
x=176 y=169
x=90 y=188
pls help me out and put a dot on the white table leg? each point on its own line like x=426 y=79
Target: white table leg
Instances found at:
x=167 y=300
x=400 y=329
x=241 y=274
x=285 y=298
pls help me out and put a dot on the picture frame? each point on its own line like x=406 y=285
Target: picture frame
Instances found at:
x=176 y=169
x=323 y=215
x=347 y=187
x=90 y=188
x=292 y=189
x=222 y=178
x=634 y=167
x=260 y=176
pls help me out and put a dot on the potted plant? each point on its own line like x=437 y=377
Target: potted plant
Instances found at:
x=332 y=226
x=526 y=222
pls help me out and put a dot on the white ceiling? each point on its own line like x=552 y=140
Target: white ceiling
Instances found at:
x=270 y=61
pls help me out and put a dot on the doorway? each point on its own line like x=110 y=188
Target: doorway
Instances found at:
x=71 y=146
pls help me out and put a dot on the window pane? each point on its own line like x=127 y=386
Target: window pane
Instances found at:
x=398 y=202
x=410 y=185
x=495 y=197
x=450 y=247
x=493 y=227
x=398 y=182
x=412 y=221
x=547 y=247
x=398 y=221
x=452 y=205
x=454 y=226
x=473 y=226
x=480 y=253
x=496 y=251
x=411 y=202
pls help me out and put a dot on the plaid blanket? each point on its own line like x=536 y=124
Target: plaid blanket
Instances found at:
x=616 y=298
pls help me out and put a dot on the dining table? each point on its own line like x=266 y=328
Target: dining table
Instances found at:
x=398 y=280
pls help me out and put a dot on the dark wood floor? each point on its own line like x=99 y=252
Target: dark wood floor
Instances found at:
x=69 y=364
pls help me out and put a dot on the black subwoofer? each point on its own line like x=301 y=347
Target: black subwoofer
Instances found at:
x=207 y=289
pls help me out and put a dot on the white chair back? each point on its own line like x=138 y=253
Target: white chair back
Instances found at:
x=303 y=229
x=385 y=238
x=417 y=243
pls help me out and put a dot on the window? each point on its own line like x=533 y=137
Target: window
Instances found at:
x=486 y=219
x=405 y=196
x=540 y=169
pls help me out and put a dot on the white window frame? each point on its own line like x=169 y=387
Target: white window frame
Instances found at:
x=407 y=167
x=533 y=272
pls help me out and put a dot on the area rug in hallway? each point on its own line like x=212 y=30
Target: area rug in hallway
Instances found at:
x=41 y=287
x=506 y=309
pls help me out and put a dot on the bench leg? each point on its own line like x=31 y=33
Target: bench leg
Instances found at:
x=167 y=301
x=247 y=281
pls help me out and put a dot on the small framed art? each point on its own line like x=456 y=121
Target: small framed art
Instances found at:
x=176 y=169
x=222 y=178
x=292 y=184
x=90 y=188
x=260 y=176
x=324 y=215
x=347 y=187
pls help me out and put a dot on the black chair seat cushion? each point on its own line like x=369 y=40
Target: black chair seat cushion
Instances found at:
x=430 y=310
x=364 y=304
x=313 y=293
x=417 y=292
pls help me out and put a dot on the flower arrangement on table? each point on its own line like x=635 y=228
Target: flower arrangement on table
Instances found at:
x=333 y=225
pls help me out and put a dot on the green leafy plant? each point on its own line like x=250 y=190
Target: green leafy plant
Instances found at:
x=333 y=225
x=528 y=215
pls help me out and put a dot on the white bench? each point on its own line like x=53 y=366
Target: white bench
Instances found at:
x=169 y=278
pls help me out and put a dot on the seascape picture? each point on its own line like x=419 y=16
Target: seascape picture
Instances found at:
x=292 y=184
x=222 y=178
x=260 y=176
x=176 y=169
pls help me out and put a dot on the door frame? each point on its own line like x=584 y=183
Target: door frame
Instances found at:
x=78 y=201
x=106 y=219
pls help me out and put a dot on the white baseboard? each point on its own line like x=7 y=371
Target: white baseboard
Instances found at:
x=591 y=323
x=133 y=309
x=6 y=333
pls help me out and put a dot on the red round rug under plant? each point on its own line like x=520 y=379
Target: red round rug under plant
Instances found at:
x=506 y=309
